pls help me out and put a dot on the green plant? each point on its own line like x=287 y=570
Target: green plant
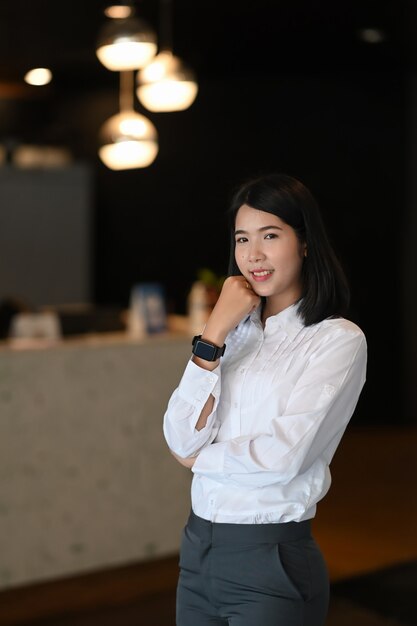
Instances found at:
x=210 y=278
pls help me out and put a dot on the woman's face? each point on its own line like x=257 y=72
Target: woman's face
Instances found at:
x=270 y=256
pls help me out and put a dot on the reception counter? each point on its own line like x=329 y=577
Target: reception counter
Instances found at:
x=86 y=479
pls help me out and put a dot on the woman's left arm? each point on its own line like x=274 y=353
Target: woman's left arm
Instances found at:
x=185 y=461
x=317 y=413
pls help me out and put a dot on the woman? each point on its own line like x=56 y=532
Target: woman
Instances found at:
x=258 y=414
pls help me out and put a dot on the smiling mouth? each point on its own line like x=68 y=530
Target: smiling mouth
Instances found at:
x=262 y=273
x=260 y=276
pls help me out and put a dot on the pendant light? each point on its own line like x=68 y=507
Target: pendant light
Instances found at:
x=126 y=43
x=128 y=140
x=38 y=76
x=166 y=83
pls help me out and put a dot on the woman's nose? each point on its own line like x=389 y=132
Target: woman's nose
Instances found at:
x=255 y=254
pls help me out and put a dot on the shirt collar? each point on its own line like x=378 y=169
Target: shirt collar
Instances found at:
x=288 y=320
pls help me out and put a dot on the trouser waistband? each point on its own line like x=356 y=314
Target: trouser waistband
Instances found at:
x=215 y=532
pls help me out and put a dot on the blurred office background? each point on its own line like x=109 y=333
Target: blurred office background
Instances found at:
x=324 y=91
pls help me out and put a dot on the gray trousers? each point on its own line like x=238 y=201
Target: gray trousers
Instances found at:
x=250 y=575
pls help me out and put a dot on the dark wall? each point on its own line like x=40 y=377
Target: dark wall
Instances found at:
x=409 y=254
x=343 y=135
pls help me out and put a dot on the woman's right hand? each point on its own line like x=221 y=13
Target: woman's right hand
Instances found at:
x=236 y=300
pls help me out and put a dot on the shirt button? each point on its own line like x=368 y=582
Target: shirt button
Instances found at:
x=242 y=371
x=235 y=405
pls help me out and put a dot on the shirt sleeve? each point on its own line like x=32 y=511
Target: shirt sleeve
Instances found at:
x=316 y=415
x=184 y=409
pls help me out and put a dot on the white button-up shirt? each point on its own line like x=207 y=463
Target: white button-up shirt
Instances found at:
x=283 y=396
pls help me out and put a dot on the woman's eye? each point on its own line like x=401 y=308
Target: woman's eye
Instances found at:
x=241 y=240
x=271 y=236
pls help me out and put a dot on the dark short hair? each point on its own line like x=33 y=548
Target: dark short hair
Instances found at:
x=325 y=290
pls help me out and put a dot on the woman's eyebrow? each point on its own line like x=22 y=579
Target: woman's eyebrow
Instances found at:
x=244 y=232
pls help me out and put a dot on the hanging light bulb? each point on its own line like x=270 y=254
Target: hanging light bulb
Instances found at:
x=119 y=9
x=128 y=139
x=126 y=43
x=38 y=76
x=166 y=84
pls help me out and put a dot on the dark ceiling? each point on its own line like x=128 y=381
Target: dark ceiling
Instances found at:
x=220 y=40
x=220 y=37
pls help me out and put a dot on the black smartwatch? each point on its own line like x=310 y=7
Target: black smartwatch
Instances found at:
x=206 y=350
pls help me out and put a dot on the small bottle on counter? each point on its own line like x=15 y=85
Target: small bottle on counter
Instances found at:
x=136 y=322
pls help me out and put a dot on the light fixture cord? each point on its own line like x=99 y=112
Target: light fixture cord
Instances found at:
x=126 y=96
x=166 y=25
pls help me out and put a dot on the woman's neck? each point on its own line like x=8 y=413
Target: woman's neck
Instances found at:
x=272 y=307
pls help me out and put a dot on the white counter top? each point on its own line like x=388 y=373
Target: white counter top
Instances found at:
x=86 y=478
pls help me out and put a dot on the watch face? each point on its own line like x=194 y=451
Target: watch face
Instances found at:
x=205 y=350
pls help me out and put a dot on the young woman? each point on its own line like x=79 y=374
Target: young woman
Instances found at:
x=262 y=405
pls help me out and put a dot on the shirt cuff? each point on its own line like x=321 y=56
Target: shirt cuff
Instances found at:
x=197 y=383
